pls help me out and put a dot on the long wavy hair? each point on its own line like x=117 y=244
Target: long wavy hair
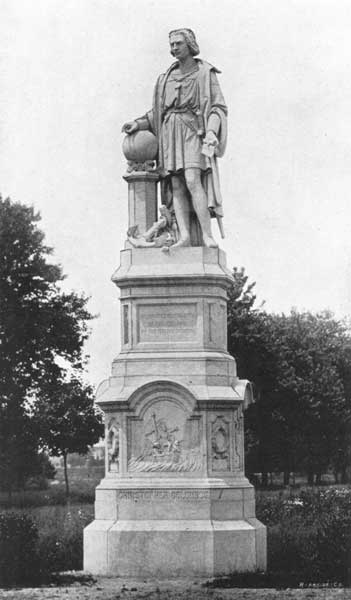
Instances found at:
x=190 y=39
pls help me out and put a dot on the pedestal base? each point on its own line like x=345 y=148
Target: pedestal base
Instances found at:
x=174 y=548
x=165 y=532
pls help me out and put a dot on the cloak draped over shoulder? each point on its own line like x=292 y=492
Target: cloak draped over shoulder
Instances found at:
x=206 y=100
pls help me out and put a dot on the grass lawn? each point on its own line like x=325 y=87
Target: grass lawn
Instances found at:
x=60 y=529
x=309 y=531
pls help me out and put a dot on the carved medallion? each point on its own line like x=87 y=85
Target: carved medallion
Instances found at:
x=220 y=444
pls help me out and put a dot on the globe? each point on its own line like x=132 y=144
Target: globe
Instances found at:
x=140 y=146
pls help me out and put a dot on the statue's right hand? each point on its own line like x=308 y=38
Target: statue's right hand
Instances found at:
x=130 y=127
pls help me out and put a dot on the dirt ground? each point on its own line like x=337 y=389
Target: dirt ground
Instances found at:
x=118 y=589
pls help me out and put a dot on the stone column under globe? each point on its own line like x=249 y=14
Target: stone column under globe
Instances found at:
x=174 y=501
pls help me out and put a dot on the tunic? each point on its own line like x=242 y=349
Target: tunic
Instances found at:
x=180 y=141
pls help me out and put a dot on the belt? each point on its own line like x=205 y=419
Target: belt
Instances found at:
x=179 y=110
x=195 y=128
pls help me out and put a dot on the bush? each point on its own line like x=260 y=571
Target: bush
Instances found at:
x=19 y=562
x=40 y=542
x=271 y=509
x=61 y=537
x=309 y=536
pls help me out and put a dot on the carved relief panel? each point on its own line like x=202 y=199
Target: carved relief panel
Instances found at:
x=220 y=441
x=226 y=441
x=239 y=439
x=165 y=439
x=113 y=445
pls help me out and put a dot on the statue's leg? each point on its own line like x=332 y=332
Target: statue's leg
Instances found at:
x=182 y=211
x=199 y=198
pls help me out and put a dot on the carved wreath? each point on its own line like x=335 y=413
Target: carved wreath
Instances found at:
x=220 y=443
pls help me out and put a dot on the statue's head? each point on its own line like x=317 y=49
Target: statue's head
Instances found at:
x=189 y=37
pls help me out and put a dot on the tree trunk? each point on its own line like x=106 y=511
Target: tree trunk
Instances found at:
x=286 y=480
x=319 y=479
x=344 y=477
x=264 y=479
x=310 y=478
x=66 y=475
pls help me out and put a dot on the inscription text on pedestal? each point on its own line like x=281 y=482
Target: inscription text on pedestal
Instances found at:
x=166 y=322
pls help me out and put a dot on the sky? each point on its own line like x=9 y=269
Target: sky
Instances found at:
x=73 y=71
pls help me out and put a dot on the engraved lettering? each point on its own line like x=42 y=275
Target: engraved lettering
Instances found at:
x=160 y=322
x=151 y=495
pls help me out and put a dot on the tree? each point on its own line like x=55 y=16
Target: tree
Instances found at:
x=301 y=367
x=250 y=342
x=313 y=401
x=42 y=333
x=69 y=422
x=38 y=322
x=18 y=447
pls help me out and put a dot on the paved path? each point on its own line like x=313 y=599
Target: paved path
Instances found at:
x=118 y=589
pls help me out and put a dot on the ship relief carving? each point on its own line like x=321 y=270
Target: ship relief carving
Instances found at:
x=170 y=441
x=113 y=445
x=220 y=444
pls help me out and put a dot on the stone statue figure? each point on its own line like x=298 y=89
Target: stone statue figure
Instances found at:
x=113 y=445
x=162 y=234
x=188 y=117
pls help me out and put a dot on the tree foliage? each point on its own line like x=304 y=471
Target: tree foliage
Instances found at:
x=42 y=335
x=38 y=322
x=18 y=447
x=69 y=421
x=300 y=365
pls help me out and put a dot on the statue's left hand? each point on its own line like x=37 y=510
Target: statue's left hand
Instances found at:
x=210 y=138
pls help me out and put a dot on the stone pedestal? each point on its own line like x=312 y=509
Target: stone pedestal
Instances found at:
x=174 y=501
x=142 y=198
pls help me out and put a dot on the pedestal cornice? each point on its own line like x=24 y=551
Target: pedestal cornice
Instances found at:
x=153 y=266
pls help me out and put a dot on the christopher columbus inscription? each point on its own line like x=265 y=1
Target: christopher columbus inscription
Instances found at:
x=189 y=120
x=171 y=322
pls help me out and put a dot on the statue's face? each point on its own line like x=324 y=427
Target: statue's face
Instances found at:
x=179 y=47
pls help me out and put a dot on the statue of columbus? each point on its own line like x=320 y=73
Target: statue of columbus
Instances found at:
x=189 y=119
